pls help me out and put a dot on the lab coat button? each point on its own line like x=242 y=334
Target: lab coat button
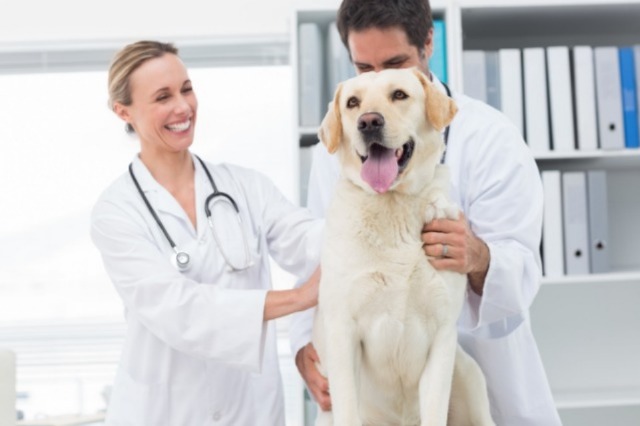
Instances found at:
x=216 y=416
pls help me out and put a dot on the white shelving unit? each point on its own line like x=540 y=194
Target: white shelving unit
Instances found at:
x=587 y=326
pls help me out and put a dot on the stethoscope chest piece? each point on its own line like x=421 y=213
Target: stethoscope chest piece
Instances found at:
x=181 y=260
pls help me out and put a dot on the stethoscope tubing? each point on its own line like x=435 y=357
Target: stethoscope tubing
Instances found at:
x=182 y=259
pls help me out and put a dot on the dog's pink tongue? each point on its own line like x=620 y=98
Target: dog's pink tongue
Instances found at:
x=380 y=169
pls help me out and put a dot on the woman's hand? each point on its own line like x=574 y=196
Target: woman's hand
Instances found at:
x=284 y=302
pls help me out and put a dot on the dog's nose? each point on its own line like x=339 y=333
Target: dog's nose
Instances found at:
x=370 y=122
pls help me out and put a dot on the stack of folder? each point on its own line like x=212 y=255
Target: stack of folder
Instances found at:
x=562 y=98
x=575 y=237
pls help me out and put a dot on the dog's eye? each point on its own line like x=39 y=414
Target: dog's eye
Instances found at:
x=399 y=95
x=353 y=102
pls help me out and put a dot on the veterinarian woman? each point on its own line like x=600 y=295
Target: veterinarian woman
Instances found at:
x=495 y=243
x=186 y=244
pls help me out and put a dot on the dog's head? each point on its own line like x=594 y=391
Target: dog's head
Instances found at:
x=386 y=128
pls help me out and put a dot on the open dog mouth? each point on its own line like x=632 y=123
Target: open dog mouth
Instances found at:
x=382 y=165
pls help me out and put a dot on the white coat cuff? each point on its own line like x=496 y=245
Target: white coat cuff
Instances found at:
x=502 y=307
x=301 y=329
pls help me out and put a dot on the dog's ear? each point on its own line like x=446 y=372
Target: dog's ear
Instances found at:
x=439 y=107
x=330 y=132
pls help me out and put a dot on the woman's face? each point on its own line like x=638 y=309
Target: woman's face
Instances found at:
x=164 y=107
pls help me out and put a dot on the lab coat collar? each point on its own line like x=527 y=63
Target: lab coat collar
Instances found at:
x=160 y=199
x=439 y=84
x=143 y=176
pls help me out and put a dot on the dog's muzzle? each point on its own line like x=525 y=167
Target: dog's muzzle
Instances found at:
x=381 y=165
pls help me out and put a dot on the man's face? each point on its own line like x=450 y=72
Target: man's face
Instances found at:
x=375 y=49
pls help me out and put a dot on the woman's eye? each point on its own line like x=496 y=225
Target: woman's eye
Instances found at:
x=162 y=97
x=353 y=102
x=187 y=89
x=399 y=95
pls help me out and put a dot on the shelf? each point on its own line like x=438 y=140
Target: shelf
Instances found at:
x=582 y=155
x=70 y=420
x=308 y=131
x=598 y=398
x=597 y=159
x=610 y=278
x=502 y=23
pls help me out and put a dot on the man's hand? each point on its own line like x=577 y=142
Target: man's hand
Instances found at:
x=318 y=385
x=451 y=245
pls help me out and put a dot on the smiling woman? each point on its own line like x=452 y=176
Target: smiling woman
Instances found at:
x=61 y=145
x=166 y=105
x=198 y=324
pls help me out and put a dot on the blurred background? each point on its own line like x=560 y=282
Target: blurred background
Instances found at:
x=62 y=146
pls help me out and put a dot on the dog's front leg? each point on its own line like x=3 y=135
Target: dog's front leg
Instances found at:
x=440 y=205
x=342 y=347
x=436 y=379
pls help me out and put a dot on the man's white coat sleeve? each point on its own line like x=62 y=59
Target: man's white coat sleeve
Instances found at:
x=501 y=195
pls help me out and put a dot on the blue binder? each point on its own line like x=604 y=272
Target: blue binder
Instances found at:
x=629 y=97
x=438 y=61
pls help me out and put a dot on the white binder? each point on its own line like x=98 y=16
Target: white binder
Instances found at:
x=576 y=222
x=306 y=158
x=585 y=98
x=510 y=63
x=609 y=97
x=7 y=387
x=536 y=101
x=492 y=61
x=311 y=100
x=598 y=221
x=339 y=67
x=560 y=99
x=474 y=74
x=636 y=58
x=552 y=242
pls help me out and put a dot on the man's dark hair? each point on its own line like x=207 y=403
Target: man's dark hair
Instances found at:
x=413 y=16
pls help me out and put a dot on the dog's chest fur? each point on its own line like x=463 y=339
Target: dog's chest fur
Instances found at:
x=374 y=262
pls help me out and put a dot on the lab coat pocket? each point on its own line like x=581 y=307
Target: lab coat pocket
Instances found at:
x=253 y=267
x=236 y=242
x=135 y=403
x=159 y=404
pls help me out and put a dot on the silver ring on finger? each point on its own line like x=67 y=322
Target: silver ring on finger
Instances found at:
x=445 y=250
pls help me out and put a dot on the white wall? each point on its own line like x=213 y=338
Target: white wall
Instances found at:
x=74 y=20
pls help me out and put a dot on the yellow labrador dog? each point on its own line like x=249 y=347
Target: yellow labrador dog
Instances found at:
x=385 y=329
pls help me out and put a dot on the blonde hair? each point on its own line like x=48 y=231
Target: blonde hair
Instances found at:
x=126 y=61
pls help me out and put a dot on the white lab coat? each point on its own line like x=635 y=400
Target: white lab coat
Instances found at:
x=495 y=181
x=197 y=351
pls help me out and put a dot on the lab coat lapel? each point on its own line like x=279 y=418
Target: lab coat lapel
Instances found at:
x=161 y=200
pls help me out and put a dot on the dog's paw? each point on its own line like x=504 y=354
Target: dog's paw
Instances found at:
x=440 y=208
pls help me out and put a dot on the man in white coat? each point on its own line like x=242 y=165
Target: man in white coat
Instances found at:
x=495 y=181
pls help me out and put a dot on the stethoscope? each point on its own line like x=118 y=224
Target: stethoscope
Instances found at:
x=181 y=259
x=446 y=129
